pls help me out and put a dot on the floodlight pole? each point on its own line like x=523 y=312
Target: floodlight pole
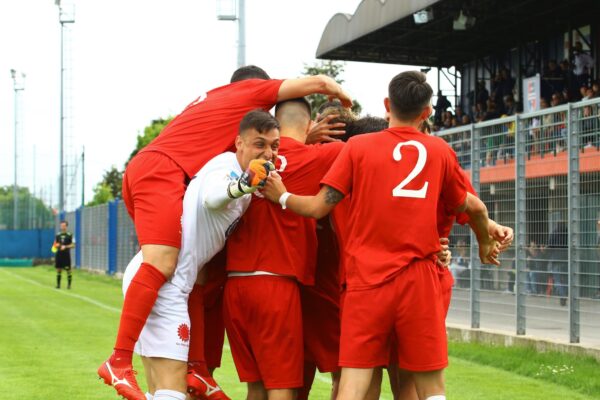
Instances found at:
x=18 y=85
x=241 y=33
x=63 y=19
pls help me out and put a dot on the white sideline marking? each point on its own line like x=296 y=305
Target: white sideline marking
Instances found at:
x=77 y=296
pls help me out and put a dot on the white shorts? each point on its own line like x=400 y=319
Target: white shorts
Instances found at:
x=166 y=333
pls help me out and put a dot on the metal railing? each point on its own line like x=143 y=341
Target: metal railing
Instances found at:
x=540 y=174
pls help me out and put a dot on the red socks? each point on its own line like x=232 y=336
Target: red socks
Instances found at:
x=139 y=300
x=196 y=311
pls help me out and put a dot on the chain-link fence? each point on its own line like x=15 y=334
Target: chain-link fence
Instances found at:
x=540 y=174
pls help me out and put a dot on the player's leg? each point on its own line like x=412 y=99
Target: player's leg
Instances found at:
x=355 y=383
x=402 y=383
x=256 y=391
x=367 y=323
x=69 y=276
x=168 y=374
x=58 y=276
x=149 y=378
x=281 y=394
x=153 y=189
x=375 y=386
x=430 y=384
x=421 y=338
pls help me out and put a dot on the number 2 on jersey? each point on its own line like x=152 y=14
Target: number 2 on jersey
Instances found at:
x=399 y=190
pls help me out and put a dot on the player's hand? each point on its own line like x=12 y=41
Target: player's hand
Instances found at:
x=504 y=235
x=325 y=131
x=489 y=249
x=444 y=256
x=274 y=187
x=256 y=174
x=62 y=246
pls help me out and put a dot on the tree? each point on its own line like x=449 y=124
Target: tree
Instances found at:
x=32 y=212
x=332 y=69
x=150 y=132
x=109 y=188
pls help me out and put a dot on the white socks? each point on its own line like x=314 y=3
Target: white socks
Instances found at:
x=165 y=394
x=436 y=397
x=149 y=396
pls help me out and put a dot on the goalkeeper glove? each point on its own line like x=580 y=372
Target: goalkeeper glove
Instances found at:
x=254 y=177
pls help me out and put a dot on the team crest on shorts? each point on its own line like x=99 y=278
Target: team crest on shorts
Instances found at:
x=184 y=332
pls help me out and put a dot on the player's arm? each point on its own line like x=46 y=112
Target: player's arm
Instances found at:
x=479 y=222
x=300 y=87
x=221 y=192
x=316 y=206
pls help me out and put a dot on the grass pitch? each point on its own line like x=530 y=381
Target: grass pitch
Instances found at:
x=52 y=341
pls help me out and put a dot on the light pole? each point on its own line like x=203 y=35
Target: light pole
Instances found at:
x=226 y=11
x=64 y=17
x=18 y=85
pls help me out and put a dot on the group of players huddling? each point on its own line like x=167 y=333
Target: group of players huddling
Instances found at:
x=310 y=251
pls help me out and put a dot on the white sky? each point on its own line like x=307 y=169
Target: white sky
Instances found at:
x=138 y=60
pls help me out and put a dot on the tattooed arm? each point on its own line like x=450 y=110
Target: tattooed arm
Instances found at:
x=308 y=206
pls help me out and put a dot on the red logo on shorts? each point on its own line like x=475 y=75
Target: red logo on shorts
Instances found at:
x=184 y=332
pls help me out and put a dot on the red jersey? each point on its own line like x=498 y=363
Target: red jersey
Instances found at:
x=327 y=275
x=397 y=178
x=446 y=217
x=208 y=126
x=280 y=241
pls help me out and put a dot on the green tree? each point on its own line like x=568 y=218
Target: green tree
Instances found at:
x=109 y=188
x=332 y=69
x=31 y=212
x=150 y=132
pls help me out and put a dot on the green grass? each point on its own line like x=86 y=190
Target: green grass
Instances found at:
x=52 y=341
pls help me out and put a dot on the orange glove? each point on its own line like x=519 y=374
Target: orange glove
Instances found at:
x=254 y=177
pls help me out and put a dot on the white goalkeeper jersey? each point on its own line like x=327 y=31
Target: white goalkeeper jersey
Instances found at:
x=209 y=216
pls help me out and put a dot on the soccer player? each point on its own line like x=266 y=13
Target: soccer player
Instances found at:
x=270 y=252
x=63 y=242
x=396 y=179
x=155 y=180
x=213 y=203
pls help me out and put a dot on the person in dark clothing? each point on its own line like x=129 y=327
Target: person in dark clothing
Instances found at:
x=441 y=106
x=557 y=260
x=63 y=242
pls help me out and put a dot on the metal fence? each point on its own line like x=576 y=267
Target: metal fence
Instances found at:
x=540 y=174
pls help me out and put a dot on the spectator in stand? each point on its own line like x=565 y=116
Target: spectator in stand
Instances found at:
x=458 y=113
x=582 y=64
x=454 y=122
x=465 y=120
x=492 y=111
x=596 y=88
x=510 y=107
x=441 y=106
x=553 y=79
x=478 y=112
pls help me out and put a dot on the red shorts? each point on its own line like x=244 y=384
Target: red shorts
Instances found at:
x=446 y=282
x=408 y=307
x=153 y=189
x=263 y=319
x=321 y=325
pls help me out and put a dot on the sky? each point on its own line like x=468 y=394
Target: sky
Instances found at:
x=137 y=60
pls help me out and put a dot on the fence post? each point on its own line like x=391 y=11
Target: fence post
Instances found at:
x=112 y=235
x=573 y=218
x=78 y=238
x=520 y=222
x=474 y=256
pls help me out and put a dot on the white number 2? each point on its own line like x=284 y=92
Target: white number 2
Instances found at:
x=399 y=190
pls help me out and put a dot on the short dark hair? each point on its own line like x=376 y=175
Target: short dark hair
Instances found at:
x=409 y=93
x=65 y=222
x=366 y=124
x=260 y=120
x=299 y=100
x=249 y=72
